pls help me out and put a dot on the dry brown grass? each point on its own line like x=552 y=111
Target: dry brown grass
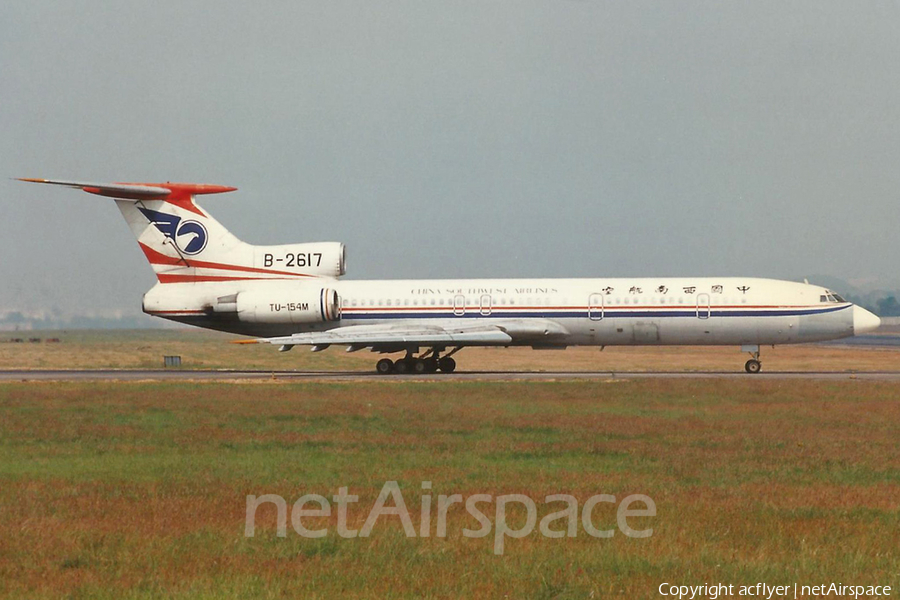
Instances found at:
x=209 y=350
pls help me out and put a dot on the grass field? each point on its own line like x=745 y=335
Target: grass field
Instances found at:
x=209 y=350
x=138 y=490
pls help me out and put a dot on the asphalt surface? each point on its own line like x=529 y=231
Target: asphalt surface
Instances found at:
x=226 y=375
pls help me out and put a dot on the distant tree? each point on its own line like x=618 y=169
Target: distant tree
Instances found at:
x=859 y=301
x=888 y=307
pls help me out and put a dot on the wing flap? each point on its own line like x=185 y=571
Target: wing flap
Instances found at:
x=386 y=335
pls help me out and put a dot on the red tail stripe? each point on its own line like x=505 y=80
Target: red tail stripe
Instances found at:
x=185 y=202
x=158 y=258
x=181 y=194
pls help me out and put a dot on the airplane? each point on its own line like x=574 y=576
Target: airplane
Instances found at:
x=292 y=295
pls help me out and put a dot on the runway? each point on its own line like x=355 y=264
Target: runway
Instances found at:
x=342 y=376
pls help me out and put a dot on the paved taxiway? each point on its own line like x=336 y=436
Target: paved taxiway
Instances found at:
x=173 y=375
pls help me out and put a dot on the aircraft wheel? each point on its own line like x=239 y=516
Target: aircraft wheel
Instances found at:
x=447 y=365
x=419 y=366
x=384 y=366
x=431 y=365
x=753 y=366
x=401 y=366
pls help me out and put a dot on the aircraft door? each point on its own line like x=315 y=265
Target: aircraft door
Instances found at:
x=703 y=309
x=486 y=305
x=459 y=305
x=595 y=307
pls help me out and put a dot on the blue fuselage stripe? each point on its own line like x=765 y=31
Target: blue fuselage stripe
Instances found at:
x=583 y=314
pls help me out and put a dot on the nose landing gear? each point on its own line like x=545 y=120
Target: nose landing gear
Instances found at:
x=753 y=365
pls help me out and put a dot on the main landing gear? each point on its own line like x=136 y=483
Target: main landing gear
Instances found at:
x=430 y=362
x=753 y=365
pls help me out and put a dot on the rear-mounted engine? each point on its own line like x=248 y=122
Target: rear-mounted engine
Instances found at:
x=326 y=259
x=302 y=305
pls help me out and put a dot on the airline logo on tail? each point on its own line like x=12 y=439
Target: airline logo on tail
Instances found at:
x=186 y=231
x=189 y=237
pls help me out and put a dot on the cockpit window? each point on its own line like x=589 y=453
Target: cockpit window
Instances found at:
x=830 y=296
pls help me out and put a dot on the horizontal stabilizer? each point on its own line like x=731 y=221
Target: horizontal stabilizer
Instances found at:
x=139 y=191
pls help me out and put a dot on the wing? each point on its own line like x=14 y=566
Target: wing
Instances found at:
x=386 y=337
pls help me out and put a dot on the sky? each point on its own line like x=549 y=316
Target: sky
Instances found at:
x=563 y=138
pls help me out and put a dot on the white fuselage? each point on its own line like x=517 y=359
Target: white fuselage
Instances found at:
x=290 y=295
x=605 y=312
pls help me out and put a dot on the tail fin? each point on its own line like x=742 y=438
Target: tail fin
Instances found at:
x=185 y=244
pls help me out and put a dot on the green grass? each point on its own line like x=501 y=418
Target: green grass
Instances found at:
x=138 y=490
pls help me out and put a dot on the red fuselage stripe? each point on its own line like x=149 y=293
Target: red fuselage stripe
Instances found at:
x=170 y=278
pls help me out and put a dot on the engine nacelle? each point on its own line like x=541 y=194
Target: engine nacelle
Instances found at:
x=328 y=259
x=303 y=305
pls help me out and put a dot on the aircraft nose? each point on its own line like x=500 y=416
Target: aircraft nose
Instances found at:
x=864 y=321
